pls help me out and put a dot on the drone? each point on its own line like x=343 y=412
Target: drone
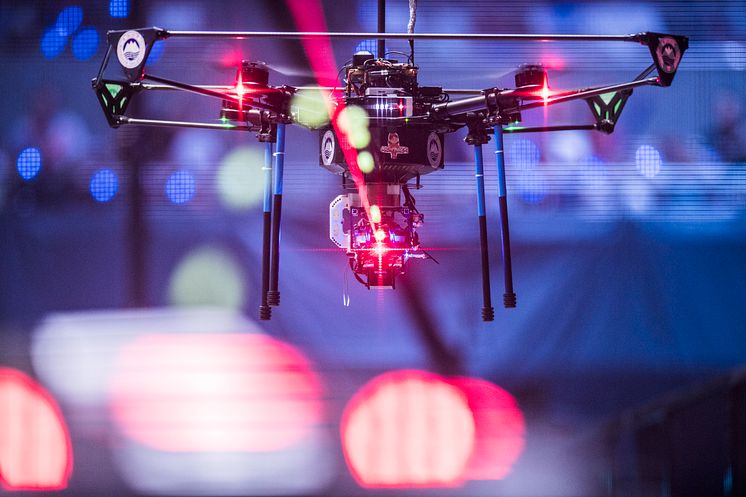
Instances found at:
x=385 y=131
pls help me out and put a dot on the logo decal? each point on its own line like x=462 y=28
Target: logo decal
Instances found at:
x=434 y=150
x=393 y=148
x=668 y=54
x=131 y=49
x=327 y=148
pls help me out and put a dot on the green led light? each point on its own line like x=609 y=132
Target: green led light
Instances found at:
x=113 y=89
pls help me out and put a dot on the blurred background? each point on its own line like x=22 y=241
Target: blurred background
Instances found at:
x=131 y=358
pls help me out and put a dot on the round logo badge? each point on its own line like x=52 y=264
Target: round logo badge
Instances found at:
x=434 y=150
x=131 y=49
x=328 y=147
x=668 y=54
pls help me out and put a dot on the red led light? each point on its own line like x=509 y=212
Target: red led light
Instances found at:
x=408 y=429
x=545 y=91
x=215 y=393
x=240 y=90
x=35 y=448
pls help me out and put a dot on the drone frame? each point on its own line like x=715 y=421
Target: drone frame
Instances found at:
x=492 y=110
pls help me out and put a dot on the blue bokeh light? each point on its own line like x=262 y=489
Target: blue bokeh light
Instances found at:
x=522 y=153
x=85 y=43
x=104 y=185
x=367 y=46
x=52 y=43
x=28 y=163
x=180 y=187
x=69 y=20
x=648 y=161
x=119 y=8
x=532 y=186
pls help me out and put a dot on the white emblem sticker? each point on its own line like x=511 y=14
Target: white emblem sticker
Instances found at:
x=394 y=148
x=328 y=147
x=131 y=49
x=434 y=150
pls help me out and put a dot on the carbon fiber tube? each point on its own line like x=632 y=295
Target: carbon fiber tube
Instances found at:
x=488 y=312
x=509 y=298
x=265 y=311
x=461 y=106
x=273 y=295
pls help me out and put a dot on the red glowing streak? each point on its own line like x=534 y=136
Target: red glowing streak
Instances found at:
x=214 y=393
x=35 y=448
x=309 y=16
x=407 y=429
x=545 y=92
x=240 y=90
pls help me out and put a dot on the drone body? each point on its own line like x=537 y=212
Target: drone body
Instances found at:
x=384 y=133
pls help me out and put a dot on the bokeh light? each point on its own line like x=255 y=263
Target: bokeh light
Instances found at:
x=52 y=43
x=69 y=20
x=28 y=163
x=408 y=429
x=353 y=123
x=359 y=138
x=180 y=187
x=85 y=43
x=365 y=162
x=499 y=429
x=532 y=185
x=76 y=338
x=119 y=8
x=104 y=185
x=35 y=449
x=568 y=147
x=353 y=119
x=207 y=276
x=311 y=107
x=239 y=180
x=214 y=393
x=648 y=161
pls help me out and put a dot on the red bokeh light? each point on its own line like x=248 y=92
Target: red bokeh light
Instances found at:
x=35 y=448
x=214 y=393
x=408 y=429
x=500 y=429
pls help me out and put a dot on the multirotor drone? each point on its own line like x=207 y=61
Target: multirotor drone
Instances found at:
x=384 y=132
